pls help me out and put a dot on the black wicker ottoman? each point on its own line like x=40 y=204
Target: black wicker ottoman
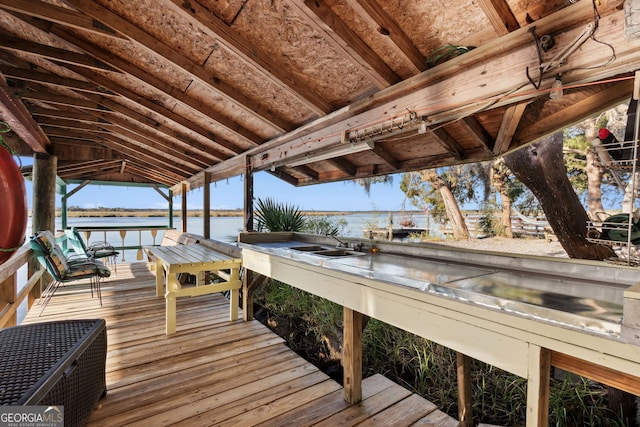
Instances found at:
x=55 y=363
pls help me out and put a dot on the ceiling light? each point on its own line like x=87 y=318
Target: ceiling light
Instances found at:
x=556 y=88
x=330 y=153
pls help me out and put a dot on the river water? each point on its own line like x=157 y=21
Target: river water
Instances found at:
x=227 y=228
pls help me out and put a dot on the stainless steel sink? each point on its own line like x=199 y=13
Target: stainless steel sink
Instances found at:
x=307 y=248
x=337 y=252
x=325 y=251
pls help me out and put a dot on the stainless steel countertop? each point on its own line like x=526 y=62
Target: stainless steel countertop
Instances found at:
x=593 y=307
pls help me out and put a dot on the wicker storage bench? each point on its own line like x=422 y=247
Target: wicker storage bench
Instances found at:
x=54 y=363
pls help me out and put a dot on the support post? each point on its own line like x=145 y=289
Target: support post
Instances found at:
x=352 y=355
x=206 y=206
x=184 y=207
x=170 y=209
x=43 y=203
x=465 y=408
x=248 y=196
x=538 y=386
x=247 y=295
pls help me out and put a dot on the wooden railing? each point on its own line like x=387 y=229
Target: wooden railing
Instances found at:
x=12 y=292
x=117 y=236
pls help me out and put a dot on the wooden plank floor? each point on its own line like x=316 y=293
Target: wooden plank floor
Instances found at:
x=213 y=371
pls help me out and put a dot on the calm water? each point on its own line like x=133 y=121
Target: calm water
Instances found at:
x=222 y=228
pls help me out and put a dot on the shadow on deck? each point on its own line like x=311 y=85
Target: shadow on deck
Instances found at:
x=213 y=371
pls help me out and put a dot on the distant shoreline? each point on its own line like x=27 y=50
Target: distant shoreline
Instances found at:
x=149 y=213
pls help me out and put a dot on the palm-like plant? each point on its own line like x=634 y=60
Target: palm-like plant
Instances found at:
x=273 y=216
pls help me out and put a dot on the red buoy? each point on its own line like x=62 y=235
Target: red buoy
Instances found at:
x=13 y=202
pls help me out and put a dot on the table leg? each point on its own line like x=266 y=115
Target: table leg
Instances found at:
x=170 y=327
x=172 y=286
x=159 y=278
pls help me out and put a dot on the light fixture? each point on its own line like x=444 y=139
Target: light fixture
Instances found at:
x=390 y=128
x=556 y=88
x=422 y=129
x=330 y=153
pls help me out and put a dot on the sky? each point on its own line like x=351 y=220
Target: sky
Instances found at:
x=228 y=194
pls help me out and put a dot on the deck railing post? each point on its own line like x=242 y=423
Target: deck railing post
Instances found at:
x=352 y=355
x=8 y=295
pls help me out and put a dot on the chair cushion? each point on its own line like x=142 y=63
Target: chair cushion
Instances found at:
x=87 y=268
x=51 y=253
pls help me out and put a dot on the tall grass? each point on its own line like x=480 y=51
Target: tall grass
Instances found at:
x=314 y=329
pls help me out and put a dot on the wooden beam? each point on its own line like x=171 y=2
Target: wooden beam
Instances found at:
x=476 y=81
x=545 y=116
x=307 y=171
x=386 y=156
x=510 y=120
x=388 y=26
x=206 y=206
x=166 y=165
x=14 y=112
x=259 y=61
x=352 y=355
x=248 y=196
x=52 y=53
x=500 y=15
x=345 y=40
x=60 y=15
x=538 y=383
x=605 y=375
x=244 y=135
x=40 y=77
x=344 y=165
x=180 y=61
x=448 y=142
x=473 y=127
x=465 y=401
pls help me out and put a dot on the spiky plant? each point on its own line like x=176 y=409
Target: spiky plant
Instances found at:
x=273 y=216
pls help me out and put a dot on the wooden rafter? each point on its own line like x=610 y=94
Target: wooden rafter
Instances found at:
x=386 y=156
x=477 y=132
x=59 y=15
x=546 y=115
x=387 y=26
x=13 y=111
x=178 y=60
x=261 y=62
x=448 y=142
x=510 y=121
x=500 y=15
x=345 y=40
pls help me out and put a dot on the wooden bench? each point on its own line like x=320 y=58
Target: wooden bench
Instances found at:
x=173 y=237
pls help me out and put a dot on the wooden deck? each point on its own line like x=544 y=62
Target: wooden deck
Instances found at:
x=213 y=371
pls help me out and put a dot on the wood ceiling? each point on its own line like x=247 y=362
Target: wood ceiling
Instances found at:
x=174 y=92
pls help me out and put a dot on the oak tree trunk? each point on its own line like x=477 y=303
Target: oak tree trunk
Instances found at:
x=540 y=166
x=459 y=227
x=498 y=179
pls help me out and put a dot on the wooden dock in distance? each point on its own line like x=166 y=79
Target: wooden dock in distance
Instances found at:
x=213 y=371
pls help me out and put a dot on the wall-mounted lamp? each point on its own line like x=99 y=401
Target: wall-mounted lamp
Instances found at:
x=556 y=88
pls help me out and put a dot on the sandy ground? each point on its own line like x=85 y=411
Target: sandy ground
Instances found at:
x=540 y=247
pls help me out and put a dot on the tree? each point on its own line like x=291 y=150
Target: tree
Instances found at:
x=540 y=166
x=441 y=190
x=500 y=180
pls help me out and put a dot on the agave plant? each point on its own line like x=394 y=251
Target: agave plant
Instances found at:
x=273 y=216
